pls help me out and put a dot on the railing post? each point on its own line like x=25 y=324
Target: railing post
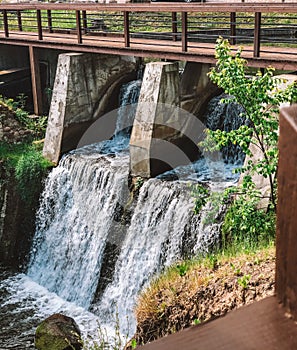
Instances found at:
x=232 y=28
x=257 y=34
x=5 y=22
x=49 y=21
x=126 y=29
x=184 y=31
x=20 y=25
x=85 y=21
x=78 y=27
x=286 y=243
x=39 y=24
x=35 y=79
x=174 y=26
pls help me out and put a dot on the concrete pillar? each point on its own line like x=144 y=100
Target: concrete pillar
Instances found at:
x=196 y=88
x=82 y=89
x=159 y=139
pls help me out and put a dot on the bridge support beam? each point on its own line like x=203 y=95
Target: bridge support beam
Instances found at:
x=35 y=81
x=83 y=86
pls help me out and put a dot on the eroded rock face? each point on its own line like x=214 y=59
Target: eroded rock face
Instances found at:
x=58 y=332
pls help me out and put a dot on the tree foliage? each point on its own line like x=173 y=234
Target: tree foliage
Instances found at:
x=260 y=96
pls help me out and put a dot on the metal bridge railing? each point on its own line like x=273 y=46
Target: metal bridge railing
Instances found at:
x=186 y=24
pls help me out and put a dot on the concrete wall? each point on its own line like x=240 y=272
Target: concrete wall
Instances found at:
x=83 y=87
x=164 y=136
x=196 y=89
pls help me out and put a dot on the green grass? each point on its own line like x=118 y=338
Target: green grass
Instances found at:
x=26 y=163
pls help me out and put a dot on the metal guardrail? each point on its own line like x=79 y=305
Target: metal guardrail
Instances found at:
x=246 y=23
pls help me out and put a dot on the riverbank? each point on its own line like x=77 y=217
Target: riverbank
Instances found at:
x=190 y=294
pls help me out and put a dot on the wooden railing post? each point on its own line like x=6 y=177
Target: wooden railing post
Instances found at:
x=85 y=21
x=126 y=29
x=5 y=22
x=257 y=34
x=39 y=24
x=232 y=28
x=184 y=31
x=286 y=242
x=49 y=21
x=78 y=27
x=20 y=25
x=174 y=26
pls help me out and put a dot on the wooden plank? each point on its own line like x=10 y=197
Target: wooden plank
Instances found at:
x=227 y=7
x=174 y=26
x=278 y=57
x=20 y=25
x=286 y=238
x=259 y=326
x=50 y=21
x=35 y=80
x=85 y=21
x=232 y=28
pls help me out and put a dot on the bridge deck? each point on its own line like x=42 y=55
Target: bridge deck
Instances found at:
x=278 y=57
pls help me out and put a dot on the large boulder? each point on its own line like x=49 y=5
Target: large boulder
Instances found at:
x=58 y=332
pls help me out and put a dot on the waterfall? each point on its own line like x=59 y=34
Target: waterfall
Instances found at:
x=75 y=215
x=97 y=245
x=77 y=211
x=87 y=251
x=227 y=117
x=163 y=223
x=77 y=218
x=129 y=95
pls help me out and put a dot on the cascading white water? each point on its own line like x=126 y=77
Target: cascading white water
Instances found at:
x=73 y=222
x=81 y=212
x=227 y=117
x=129 y=95
x=162 y=219
x=77 y=210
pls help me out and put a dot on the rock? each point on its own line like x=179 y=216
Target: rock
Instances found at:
x=58 y=332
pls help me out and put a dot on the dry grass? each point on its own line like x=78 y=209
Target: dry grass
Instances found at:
x=199 y=290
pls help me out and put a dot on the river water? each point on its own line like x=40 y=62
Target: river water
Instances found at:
x=96 y=246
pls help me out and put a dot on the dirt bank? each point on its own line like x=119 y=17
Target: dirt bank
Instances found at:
x=203 y=293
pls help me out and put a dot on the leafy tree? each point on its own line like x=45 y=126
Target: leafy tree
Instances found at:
x=260 y=96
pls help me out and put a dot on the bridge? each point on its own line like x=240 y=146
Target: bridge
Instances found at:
x=267 y=32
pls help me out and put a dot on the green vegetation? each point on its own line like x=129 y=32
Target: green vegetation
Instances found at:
x=211 y=286
x=246 y=224
x=24 y=160
x=248 y=230
x=30 y=168
x=37 y=124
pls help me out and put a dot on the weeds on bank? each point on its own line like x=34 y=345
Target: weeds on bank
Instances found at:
x=37 y=124
x=24 y=159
